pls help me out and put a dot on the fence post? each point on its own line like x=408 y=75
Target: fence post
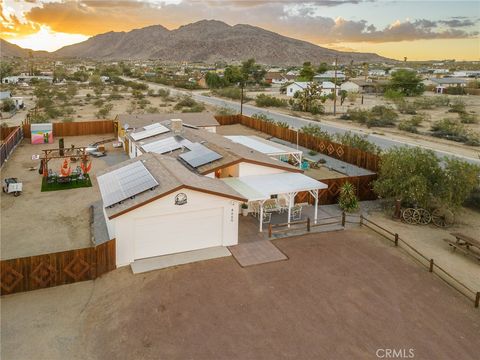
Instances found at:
x=361 y=219
x=269 y=230
x=477 y=299
x=343 y=218
x=431 y=265
x=396 y=239
x=308 y=224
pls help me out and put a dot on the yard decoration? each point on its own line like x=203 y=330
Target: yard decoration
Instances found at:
x=65 y=170
x=86 y=168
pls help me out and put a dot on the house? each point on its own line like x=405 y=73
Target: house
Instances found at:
x=17 y=100
x=296 y=86
x=183 y=187
x=275 y=78
x=377 y=72
x=292 y=74
x=329 y=75
x=26 y=79
x=350 y=86
x=440 y=71
x=328 y=88
x=444 y=83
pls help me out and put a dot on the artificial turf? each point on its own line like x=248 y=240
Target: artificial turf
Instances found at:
x=71 y=185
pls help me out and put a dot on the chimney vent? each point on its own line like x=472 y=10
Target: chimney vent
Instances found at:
x=176 y=125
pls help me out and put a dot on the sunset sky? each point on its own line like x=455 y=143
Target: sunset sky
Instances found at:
x=419 y=30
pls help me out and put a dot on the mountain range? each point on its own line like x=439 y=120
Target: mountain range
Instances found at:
x=203 y=41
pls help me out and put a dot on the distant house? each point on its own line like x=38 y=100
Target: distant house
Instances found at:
x=292 y=74
x=350 y=86
x=26 y=79
x=17 y=100
x=275 y=78
x=328 y=88
x=296 y=86
x=377 y=72
x=440 y=71
x=329 y=75
x=445 y=83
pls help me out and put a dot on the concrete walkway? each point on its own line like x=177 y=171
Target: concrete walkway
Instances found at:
x=256 y=253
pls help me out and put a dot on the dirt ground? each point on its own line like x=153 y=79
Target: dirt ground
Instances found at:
x=41 y=222
x=238 y=129
x=341 y=295
x=429 y=241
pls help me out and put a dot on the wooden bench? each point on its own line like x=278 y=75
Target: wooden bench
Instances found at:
x=465 y=244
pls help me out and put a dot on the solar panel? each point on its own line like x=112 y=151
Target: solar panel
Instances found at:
x=167 y=145
x=149 y=130
x=125 y=182
x=199 y=155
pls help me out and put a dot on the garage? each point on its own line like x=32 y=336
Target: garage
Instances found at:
x=175 y=233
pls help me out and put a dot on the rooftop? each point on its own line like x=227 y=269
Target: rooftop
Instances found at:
x=140 y=120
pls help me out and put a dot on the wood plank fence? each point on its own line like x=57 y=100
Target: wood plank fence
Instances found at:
x=65 y=267
x=78 y=128
x=345 y=153
x=10 y=137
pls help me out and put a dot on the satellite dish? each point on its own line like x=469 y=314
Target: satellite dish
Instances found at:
x=125 y=127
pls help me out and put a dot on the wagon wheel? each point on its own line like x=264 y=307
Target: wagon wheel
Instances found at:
x=408 y=216
x=442 y=217
x=422 y=216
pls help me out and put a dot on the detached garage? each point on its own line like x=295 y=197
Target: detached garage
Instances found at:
x=155 y=206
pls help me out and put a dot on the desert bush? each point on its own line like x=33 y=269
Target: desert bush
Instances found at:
x=316 y=131
x=466 y=118
x=164 y=93
x=451 y=129
x=381 y=116
x=263 y=117
x=357 y=115
x=104 y=111
x=137 y=94
x=186 y=101
x=406 y=107
x=198 y=107
x=283 y=124
x=263 y=100
x=394 y=95
x=457 y=106
x=347 y=199
x=225 y=111
x=357 y=141
x=8 y=105
x=152 y=110
x=99 y=102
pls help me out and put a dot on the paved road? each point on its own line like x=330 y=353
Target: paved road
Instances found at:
x=297 y=122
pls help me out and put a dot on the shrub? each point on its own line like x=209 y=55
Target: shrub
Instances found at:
x=381 y=116
x=152 y=110
x=198 y=107
x=282 y=124
x=186 y=101
x=357 y=141
x=450 y=129
x=406 y=107
x=231 y=93
x=104 y=111
x=225 y=111
x=316 y=131
x=164 y=93
x=263 y=100
x=98 y=103
x=393 y=95
x=357 y=115
x=137 y=94
x=457 y=106
x=8 y=105
x=263 y=117
x=348 y=199
x=468 y=118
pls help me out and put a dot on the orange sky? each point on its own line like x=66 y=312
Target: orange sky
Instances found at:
x=448 y=30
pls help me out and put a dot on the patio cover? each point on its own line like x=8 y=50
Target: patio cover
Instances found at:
x=266 y=147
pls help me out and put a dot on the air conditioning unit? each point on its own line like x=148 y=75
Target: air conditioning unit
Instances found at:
x=176 y=125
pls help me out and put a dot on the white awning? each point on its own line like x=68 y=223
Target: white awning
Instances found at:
x=262 y=145
x=262 y=187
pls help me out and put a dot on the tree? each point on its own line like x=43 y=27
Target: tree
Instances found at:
x=7 y=105
x=233 y=75
x=458 y=182
x=348 y=199
x=323 y=67
x=252 y=72
x=407 y=82
x=307 y=72
x=213 y=80
x=412 y=175
x=5 y=70
x=308 y=99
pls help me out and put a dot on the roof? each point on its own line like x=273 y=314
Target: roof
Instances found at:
x=232 y=153
x=140 y=120
x=261 y=187
x=171 y=176
x=449 y=81
x=301 y=84
x=262 y=145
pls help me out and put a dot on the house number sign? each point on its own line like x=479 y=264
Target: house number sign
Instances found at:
x=181 y=199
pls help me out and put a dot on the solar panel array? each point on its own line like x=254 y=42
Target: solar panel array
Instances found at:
x=167 y=145
x=148 y=131
x=125 y=182
x=199 y=155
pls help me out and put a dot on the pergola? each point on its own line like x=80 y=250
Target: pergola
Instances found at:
x=268 y=147
x=261 y=188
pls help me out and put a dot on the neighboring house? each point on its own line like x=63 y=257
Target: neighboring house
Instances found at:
x=440 y=71
x=350 y=86
x=377 y=72
x=5 y=95
x=292 y=74
x=328 y=88
x=329 y=75
x=26 y=79
x=275 y=78
x=17 y=100
x=445 y=83
x=296 y=86
x=183 y=187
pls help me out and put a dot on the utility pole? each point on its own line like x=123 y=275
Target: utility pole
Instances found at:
x=335 y=90
x=241 y=99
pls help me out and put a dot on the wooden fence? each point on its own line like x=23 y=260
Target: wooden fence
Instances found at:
x=78 y=128
x=10 y=137
x=345 y=153
x=42 y=271
x=363 y=187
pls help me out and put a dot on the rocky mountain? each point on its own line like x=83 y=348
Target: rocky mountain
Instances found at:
x=208 y=41
x=11 y=50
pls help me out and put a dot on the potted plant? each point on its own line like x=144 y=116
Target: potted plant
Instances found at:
x=245 y=209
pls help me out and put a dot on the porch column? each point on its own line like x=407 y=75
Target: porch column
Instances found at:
x=261 y=215
x=289 y=207
x=314 y=193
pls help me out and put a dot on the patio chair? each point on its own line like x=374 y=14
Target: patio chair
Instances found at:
x=296 y=213
x=255 y=206
x=282 y=204
x=267 y=217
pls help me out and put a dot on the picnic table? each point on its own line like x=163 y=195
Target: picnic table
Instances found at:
x=466 y=244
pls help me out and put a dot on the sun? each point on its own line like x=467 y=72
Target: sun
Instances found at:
x=46 y=39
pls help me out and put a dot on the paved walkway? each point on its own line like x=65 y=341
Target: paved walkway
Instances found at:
x=256 y=253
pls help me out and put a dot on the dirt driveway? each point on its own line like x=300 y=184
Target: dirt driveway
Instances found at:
x=341 y=295
x=41 y=222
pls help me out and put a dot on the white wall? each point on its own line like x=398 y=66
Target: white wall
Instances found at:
x=247 y=169
x=197 y=201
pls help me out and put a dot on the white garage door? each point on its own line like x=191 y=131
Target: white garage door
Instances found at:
x=169 y=234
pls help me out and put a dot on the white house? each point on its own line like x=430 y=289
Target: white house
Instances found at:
x=444 y=83
x=182 y=189
x=377 y=72
x=328 y=88
x=350 y=86
x=296 y=86
x=329 y=75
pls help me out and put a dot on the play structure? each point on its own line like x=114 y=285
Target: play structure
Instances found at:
x=77 y=177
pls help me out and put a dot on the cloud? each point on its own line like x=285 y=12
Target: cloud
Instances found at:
x=456 y=23
x=10 y=25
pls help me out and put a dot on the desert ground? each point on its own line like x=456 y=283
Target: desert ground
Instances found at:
x=42 y=222
x=344 y=293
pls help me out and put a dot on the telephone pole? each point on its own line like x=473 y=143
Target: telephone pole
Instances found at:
x=335 y=90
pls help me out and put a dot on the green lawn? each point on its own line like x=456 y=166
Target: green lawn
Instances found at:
x=71 y=185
